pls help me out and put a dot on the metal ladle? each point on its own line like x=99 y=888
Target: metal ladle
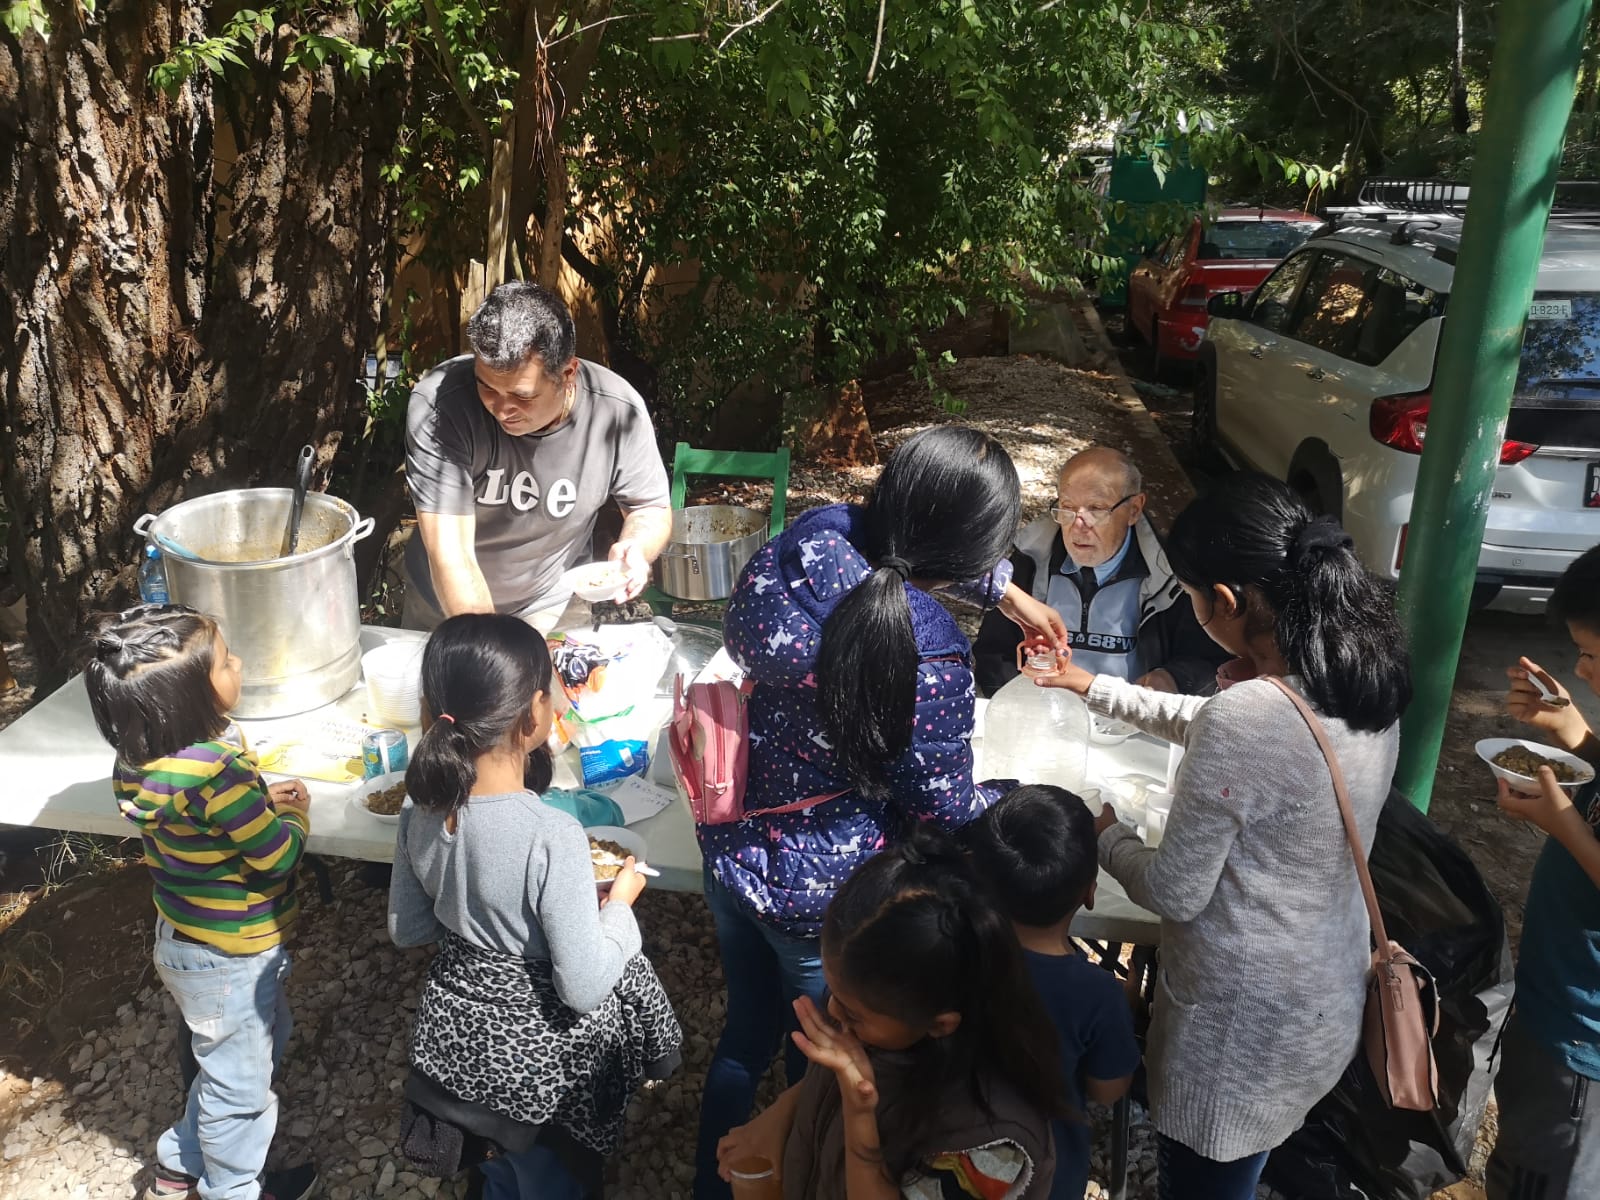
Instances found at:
x=302 y=481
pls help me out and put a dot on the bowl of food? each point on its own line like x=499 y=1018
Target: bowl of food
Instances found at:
x=609 y=848
x=1518 y=762
x=381 y=796
x=596 y=581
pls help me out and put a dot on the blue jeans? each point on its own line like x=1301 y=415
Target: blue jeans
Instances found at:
x=238 y=1019
x=765 y=971
x=1186 y=1175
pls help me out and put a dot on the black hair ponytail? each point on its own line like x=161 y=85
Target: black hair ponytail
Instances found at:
x=1334 y=621
x=914 y=935
x=945 y=510
x=480 y=673
x=147 y=670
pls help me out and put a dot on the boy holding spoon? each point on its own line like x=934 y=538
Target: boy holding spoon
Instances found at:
x=1549 y=1143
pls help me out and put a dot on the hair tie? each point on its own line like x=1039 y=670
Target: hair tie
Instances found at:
x=896 y=564
x=1321 y=534
x=447 y=717
x=109 y=643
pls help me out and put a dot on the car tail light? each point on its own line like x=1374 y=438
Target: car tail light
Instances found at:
x=1402 y=422
x=1400 y=550
x=1194 y=296
x=1515 y=452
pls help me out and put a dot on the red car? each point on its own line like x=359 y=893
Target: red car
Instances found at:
x=1232 y=252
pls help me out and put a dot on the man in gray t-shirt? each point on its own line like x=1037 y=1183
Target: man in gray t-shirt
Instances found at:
x=511 y=453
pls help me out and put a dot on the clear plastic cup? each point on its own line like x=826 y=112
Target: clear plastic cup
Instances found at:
x=755 y=1178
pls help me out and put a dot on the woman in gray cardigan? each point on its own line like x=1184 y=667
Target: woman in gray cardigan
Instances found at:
x=1264 y=937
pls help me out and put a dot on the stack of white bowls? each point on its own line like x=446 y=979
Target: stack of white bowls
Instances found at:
x=394 y=683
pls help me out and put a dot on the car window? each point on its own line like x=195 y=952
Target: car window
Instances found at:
x=1253 y=240
x=1395 y=306
x=1332 y=304
x=1274 y=299
x=1561 y=343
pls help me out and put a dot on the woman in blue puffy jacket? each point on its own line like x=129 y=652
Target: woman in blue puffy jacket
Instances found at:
x=863 y=693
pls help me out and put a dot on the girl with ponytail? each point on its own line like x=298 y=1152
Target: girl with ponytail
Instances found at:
x=933 y=1066
x=1264 y=937
x=539 y=1009
x=860 y=723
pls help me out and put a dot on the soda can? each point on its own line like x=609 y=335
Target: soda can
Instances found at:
x=383 y=751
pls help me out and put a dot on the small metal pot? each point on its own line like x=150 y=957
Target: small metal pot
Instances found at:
x=710 y=545
x=295 y=622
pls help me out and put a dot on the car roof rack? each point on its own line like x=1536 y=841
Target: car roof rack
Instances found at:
x=1574 y=198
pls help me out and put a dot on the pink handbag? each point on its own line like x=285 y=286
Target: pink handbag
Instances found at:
x=709 y=741
x=1402 y=1014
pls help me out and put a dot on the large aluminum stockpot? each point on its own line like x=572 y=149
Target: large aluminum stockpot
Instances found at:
x=710 y=545
x=295 y=623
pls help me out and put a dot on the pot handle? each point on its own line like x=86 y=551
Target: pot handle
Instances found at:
x=677 y=554
x=362 y=528
x=142 y=525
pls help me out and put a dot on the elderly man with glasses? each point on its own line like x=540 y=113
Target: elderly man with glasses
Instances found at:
x=1096 y=560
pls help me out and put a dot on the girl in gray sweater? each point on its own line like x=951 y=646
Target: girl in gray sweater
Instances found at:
x=1264 y=938
x=539 y=1011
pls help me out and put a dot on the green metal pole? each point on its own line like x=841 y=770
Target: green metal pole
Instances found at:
x=1538 y=47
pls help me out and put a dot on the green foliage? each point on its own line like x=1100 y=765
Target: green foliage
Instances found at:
x=22 y=16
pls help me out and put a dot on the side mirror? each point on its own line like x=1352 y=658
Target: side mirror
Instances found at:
x=1226 y=304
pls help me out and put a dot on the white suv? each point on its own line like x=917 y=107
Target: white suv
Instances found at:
x=1323 y=377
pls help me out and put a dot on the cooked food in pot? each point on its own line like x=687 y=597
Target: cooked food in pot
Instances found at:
x=386 y=803
x=1525 y=762
x=608 y=857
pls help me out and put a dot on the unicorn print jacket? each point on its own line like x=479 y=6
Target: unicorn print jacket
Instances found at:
x=785 y=868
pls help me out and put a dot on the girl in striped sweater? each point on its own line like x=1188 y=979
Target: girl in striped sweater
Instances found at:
x=222 y=847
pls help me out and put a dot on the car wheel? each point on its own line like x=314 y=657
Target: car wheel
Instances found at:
x=1203 y=439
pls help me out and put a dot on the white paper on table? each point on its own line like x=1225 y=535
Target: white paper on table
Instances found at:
x=721 y=667
x=640 y=799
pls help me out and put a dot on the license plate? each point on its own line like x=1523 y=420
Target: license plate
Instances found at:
x=1591 y=486
x=1550 y=310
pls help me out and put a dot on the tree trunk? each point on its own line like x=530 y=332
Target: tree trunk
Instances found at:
x=150 y=362
x=1460 y=113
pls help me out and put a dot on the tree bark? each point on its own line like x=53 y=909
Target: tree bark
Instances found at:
x=151 y=362
x=1460 y=113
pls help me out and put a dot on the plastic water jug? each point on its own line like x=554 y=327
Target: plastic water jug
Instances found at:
x=1036 y=735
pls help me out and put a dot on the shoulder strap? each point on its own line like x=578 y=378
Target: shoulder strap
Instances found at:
x=1379 y=935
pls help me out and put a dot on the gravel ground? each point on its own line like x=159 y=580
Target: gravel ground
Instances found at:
x=86 y=1128
x=87 y=1073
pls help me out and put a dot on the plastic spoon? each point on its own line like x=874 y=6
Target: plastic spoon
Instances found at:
x=1550 y=698
x=302 y=481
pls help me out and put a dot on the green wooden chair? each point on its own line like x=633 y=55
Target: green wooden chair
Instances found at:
x=727 y=464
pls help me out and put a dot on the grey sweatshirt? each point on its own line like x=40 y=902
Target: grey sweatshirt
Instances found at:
x=515 y=877
x=1264 y=935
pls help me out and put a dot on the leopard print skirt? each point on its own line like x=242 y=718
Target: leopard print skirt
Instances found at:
x=491 y=1030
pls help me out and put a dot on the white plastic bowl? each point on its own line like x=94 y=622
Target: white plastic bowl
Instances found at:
x=595 y=581
x=394 y=683
x=626 y=838
x=1489 y=747
x=1103 y=731
x=358 y=797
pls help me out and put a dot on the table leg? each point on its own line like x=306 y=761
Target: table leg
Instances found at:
x=1119 y=1148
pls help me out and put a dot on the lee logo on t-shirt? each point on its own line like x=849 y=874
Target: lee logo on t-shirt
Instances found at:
x=523 y=494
